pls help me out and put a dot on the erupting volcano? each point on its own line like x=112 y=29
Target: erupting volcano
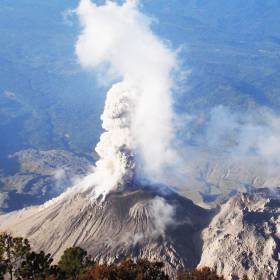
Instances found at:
x=117 y=43
x=123 y=208
x=113 y=212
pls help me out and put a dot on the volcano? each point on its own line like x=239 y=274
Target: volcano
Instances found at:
x=239 y=237
x=136 y=223
x=107 y=213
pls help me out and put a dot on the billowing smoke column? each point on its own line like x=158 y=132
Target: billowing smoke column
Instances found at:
x=118 y=43
x=116 y=150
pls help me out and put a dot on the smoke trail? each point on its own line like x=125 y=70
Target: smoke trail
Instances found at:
x=117 y=41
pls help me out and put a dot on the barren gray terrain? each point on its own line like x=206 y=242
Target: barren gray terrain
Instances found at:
x=136 y=223
x=244 y=237
x=241 y=236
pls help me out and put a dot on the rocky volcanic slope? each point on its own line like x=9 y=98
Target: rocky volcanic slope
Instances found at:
x=240 y=237
x=244 y=237
x=139 y=223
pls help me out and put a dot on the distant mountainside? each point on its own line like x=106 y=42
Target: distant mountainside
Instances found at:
x=48 y=102
x=230 y=46
x=242 y=236
x=31 y=177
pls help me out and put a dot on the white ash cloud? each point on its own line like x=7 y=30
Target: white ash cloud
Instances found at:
x=230 y=151
x=117 y=42
x=253 y=137
x=157 y=213
x=116 y=165
x=162 y=214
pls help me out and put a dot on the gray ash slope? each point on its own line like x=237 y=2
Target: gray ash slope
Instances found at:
x=137 y=223
x=244 y=236
x=241 y=236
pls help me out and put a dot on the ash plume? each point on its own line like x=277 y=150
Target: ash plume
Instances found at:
x=117 y=42
x=116 y=165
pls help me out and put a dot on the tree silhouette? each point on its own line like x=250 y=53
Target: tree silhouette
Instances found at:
x=36 y=266
x=16 y=259
x=13 y=251
x=73 y=261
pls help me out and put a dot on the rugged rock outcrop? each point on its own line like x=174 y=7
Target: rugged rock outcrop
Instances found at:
x=244 y=237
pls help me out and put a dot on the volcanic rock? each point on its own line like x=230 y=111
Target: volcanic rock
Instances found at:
x=243 y=238
x=137 y=223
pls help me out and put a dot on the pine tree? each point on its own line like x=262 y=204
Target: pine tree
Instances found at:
x=13 y=251
x=36 y=266
x=73 y=261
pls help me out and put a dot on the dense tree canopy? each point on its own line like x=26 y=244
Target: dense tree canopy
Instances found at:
x=36 y=266
x=129 y=270
x=204 y=273
x=73 y=261
x=17 y=261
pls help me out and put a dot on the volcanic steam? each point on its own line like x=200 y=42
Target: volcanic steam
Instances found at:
x=117 y=42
